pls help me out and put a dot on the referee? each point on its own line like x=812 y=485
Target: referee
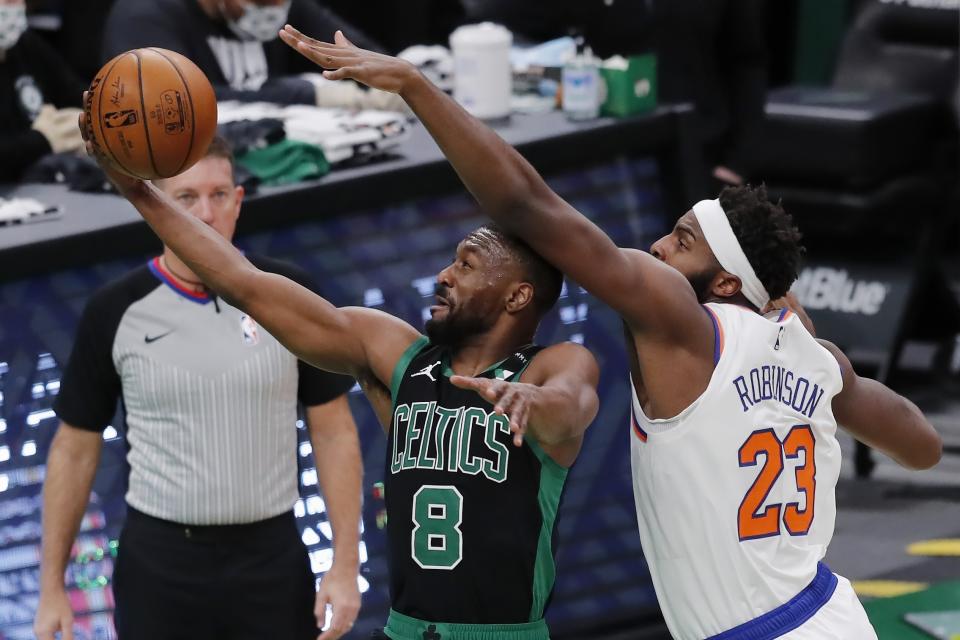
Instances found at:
x=210 y=548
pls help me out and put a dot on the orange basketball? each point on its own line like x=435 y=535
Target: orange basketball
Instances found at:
x=151 y=112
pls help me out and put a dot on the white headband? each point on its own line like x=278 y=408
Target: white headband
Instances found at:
x=718 y=234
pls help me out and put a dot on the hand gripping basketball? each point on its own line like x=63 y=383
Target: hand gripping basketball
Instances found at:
x=151 y=112
x=123 y=182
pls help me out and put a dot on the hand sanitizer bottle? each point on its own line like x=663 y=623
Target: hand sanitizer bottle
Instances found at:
x=581 y=84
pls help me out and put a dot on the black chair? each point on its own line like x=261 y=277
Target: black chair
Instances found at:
x=868 y=167
x=890 y=111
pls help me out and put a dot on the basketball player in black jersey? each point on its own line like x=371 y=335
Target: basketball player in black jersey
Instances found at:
x=482 y=424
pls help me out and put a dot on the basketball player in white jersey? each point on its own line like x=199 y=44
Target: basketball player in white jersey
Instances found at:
x=734 y=451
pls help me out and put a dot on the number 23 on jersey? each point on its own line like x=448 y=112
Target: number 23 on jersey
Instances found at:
x=755 y=521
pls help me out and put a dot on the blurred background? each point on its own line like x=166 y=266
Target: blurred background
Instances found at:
x=848 y=110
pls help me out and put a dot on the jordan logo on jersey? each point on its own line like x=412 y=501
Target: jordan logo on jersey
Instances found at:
x=431 y=633
x=427 y=371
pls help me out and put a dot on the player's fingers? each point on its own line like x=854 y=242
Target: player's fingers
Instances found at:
x=324 y=60
x=518 y=423
x=332 y=633
x=491 y=390
x=317 y=54
x=292 y=37
x=337 y=627
x=466 y=382
x=293 y=32
x=326 y=55
x=341 y=39
x=344 y=615
x=289 y=39
x=82 y=123
x=334 y=55
x=320 y=608
x=64 y=625
x=506 y=401
x=329 y=634
x=341 y=73
x=519 y=413
x=82 y=120
x=494 y=390
x=473 y=384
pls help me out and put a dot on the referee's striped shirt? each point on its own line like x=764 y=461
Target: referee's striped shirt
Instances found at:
x=210 y=398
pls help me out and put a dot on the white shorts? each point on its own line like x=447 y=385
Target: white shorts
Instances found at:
x=842 y=618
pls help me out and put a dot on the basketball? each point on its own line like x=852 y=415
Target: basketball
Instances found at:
x=151 y=112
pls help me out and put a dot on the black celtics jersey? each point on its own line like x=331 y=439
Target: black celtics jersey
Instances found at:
x=471 y=516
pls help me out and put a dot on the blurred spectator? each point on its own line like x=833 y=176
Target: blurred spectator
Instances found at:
x=709 y=52
x=609 y=27
x=81 y=32
x=40 y=98
x=713 y=53
x=234 y=42
x=399 y=25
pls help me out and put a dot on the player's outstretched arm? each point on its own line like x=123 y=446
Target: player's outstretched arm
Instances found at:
x=554 y=403
x=510 y=191
x=877 y=416
x=355 y=341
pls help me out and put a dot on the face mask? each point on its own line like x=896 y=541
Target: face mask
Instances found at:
x=259 y=23
x=13 y=22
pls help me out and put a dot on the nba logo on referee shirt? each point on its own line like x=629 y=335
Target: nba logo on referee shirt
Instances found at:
x=250 y=332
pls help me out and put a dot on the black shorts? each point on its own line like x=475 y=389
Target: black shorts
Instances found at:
x=242 y=582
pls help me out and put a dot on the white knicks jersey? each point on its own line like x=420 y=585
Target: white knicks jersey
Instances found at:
x=735 y=495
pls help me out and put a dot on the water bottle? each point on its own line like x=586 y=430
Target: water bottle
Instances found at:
x=581 y=85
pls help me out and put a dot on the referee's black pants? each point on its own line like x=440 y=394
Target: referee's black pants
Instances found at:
x=242 y=582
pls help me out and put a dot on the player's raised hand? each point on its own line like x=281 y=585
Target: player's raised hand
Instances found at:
x=342 y=59
x=511 y=399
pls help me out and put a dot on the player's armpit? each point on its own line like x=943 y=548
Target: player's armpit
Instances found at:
x=883 y=419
